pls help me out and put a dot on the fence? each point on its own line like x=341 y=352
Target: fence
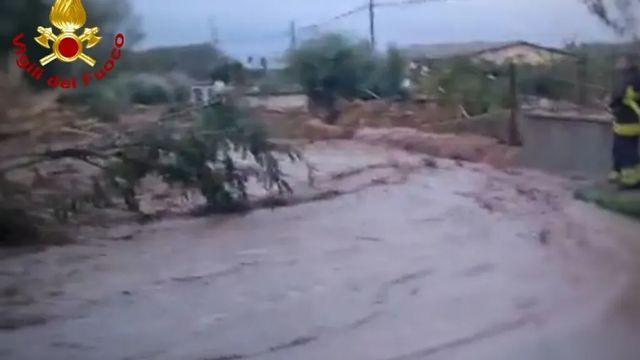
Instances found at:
x=567 y=85
x=571 y=85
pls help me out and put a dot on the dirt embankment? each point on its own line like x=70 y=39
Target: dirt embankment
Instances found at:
x=424 y=127
x=468 y=147
x=290 y=123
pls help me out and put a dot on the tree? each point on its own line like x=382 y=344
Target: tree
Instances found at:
x=619 y=15
x=216 y=151
x=203 y=156
x=463 y=82
x=230 y=72
x=332 y=67
x=394 y=72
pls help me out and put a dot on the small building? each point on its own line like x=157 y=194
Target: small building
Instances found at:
x=499 y=53
x=284 y=97
x=205 y=93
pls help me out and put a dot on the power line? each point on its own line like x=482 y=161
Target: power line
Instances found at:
x=358 y=9
x=294 y=39
x=407 y=3
x=369 y=6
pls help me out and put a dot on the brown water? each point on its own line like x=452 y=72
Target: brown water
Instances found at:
x=455 y=262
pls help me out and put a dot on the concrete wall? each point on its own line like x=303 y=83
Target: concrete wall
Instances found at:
x=567 y=143
x=277 y=102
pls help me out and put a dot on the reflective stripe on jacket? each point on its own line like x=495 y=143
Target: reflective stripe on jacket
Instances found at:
x=627 y=114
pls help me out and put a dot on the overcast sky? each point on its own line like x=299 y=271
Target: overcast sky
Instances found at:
x=258 y=27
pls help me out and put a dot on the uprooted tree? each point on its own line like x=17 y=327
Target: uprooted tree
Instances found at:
x=215 y=151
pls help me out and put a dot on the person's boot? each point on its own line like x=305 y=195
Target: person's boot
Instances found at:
x=630 y=179
x=614 y=177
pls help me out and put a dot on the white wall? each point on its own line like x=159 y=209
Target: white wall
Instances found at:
x=521 y=54
x=278 y=101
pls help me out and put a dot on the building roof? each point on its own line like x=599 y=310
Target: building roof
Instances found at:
x=449 y=50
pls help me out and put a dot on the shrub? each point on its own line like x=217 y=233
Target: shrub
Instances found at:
x=107 y=102
x=147 y=89
x=181 y=87
x=393 y=72
x=332 y=67
x=474 y=86
x=555 y=81
x=111 y=97
x=216 y=151
x=204 y=155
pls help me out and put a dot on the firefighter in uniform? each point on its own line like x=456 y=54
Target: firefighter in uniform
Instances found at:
x=625 y=106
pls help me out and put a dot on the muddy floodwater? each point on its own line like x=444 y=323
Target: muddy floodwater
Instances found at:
x=413 y=259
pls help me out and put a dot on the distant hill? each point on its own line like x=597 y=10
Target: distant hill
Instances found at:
x=195 y=60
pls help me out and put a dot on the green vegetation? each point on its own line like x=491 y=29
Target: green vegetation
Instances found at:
x=483 y=87
x=216 y=151
x=608 y=197
x=195 y=61
x=203 y=156
x=111 y=97
x=334 y=67
x=479 y=88
x=394 y=71
x=555 y=81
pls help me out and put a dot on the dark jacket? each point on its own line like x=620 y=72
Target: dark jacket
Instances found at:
x=622 y=112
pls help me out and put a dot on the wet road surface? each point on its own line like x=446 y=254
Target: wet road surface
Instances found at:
x=414 y=261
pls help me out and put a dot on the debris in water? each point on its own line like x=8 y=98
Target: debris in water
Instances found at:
x=430 y=163
x=544 y=236
x=370 y=238
x=294 y=343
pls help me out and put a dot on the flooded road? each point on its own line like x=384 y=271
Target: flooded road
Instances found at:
x=416 y=259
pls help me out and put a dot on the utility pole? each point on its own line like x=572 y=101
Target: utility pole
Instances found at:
x=292 y=33
x=582 y=81
x=213 y=28
x=372 y=24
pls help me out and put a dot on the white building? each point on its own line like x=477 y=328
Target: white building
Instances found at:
x=204 y=94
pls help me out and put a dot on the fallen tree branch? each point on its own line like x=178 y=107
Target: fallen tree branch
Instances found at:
x=73 y=153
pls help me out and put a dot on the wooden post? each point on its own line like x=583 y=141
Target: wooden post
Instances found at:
x=582 y=94
x=372 y=24
x=514 y=136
